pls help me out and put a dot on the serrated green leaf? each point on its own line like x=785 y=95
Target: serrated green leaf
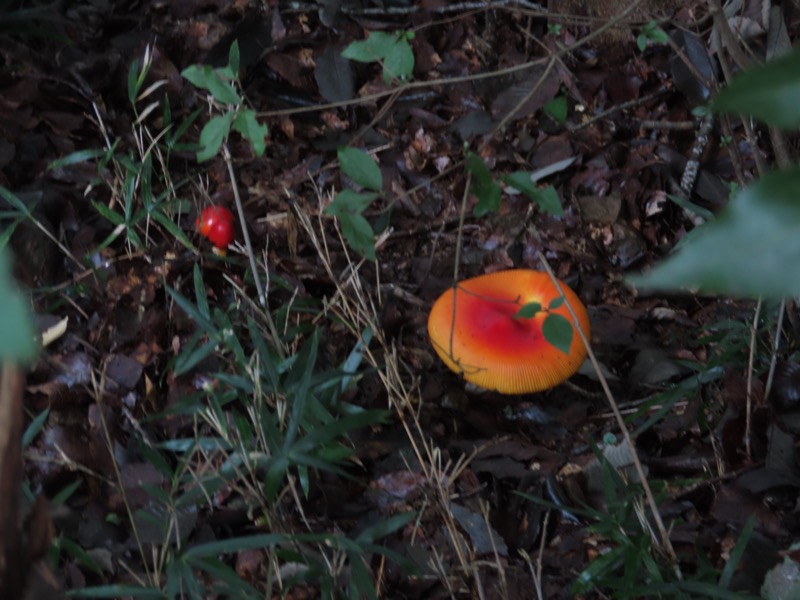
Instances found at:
x=398 y=62
x=557 y=330
x=207 y=78
x=213 y=134
x=377 y=45
x=546 y=197
x=752 y=249
x=528 y=311
x=361 y=168
x=768 y=93
x=483 y=186
x=253 y=131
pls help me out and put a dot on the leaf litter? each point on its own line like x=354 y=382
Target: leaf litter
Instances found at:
x=518 y=473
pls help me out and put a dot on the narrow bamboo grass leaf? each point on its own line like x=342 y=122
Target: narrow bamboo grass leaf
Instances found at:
x=737 y=553
x=117 y=591
x=300 y=379
x=237 y=544
x=35 y=427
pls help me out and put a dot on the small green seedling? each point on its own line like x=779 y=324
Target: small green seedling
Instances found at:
x=392 y=50
x=651 y=33
x=348 y=205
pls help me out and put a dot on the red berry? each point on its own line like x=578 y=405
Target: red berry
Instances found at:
x=216 y=223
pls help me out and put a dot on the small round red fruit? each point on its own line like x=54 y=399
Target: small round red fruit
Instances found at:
x=216 y=223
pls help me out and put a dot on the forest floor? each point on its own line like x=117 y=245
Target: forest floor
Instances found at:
x=191 y=443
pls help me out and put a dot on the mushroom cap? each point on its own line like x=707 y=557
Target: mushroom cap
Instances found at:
x=491 y=348
x=216 y=223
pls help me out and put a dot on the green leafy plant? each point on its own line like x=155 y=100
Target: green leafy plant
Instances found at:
x=264 y=424
x=222 y=84
x=554 y=29
x=557 y=330
x=141 y=191
x=392 y=50
x=630 y=564
x=348 y=205
x=488 y=191
x=651 y=32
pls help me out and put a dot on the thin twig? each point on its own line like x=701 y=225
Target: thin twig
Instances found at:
x=262 y=298
x=648 y=492
x=749 y=393
x=775 y=347
x=631 y=104
x=226 y=154
x=414 y=85
x=386 y=11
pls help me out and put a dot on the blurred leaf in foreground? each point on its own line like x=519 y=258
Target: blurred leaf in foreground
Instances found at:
x=17 y=341
x=768 y=93
x=751 y=250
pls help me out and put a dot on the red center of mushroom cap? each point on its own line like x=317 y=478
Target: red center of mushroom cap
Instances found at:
x=493 y=349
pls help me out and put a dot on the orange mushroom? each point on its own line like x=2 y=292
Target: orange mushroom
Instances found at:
x=492 y=346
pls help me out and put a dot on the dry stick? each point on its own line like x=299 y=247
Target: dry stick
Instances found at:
x=775 y=347
x=749 y=392
x=505 y=120
x=536 y=572
x=651 y=501
x=457 y=261
x=262 y=298
x=456 y=7
x=98 y=389
x=414 y=85
x=378 y=116
x=668 y=125
x=630 y=104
